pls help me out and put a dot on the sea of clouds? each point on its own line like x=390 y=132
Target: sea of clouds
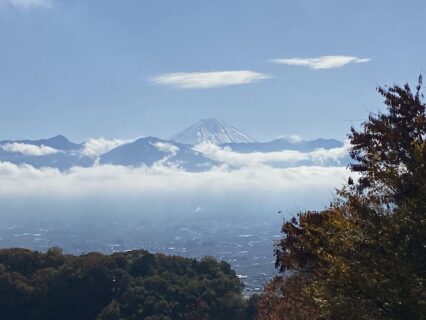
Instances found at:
x=162 y=192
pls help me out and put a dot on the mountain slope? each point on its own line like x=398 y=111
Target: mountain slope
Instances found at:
x=211 y=130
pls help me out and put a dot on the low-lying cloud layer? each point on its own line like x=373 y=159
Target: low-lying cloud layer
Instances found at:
x=324 y=62
x=161 y=182
x=205 y=80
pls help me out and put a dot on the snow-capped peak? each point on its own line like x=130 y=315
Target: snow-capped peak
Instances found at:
x=211 y=130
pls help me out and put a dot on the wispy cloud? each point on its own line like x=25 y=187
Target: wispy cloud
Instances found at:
x=293 y=138
x=324 y=62
x=170 y=151
x=28 y=4
x=28 y=149
x=205 y=80
x=166 y=147
x=96 y=147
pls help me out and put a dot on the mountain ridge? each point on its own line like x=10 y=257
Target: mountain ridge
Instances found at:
x=151 y=150
x=59 y=152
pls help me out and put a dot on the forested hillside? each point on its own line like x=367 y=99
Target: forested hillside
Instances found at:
x=130 y=285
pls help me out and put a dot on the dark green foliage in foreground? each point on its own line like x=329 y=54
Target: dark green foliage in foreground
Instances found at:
x=131 y=285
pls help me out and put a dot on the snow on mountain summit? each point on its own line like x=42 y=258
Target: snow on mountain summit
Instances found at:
x=211 y=130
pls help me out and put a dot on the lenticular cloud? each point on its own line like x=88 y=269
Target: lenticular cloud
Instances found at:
x=205 y=80
x=324 y=62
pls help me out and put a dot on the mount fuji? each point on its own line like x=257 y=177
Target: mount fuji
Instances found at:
x=211 y=130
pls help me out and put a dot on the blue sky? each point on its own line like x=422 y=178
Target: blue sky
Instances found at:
x=90 y=68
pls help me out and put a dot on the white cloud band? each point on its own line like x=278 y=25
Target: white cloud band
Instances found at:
x=324 y=62
x=115 y=180
x=205 y=80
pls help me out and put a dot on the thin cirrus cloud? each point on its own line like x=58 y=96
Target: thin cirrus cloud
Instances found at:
x=324 y=62
x=28 y=4
x=206 y=80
